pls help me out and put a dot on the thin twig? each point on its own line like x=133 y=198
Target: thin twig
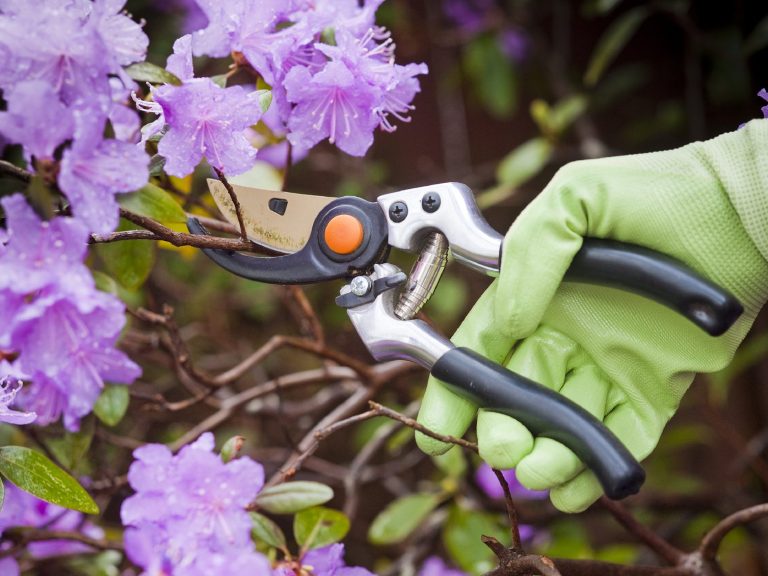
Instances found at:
x=661 y=547
x=15 y=171
x=711 y=542
x=235 y=203
x=514 y=524
x=183 y=239
x=411 y=423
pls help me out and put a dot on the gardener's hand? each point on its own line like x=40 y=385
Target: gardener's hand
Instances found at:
x=625 y=359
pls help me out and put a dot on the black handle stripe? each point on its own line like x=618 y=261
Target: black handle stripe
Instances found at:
x=658 y=277
x=545 y=413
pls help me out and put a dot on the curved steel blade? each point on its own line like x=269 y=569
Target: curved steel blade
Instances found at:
x=281 y=221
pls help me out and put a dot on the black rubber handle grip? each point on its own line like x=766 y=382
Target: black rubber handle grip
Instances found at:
x=659 y=277
x=545 y=413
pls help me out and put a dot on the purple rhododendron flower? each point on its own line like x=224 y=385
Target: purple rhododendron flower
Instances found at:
x=434 y=566
x=513 y=43
x=202 y=119
x=36 y=118
x=331 y=69
x=764 y=95
x=22 y=509
x=189 y=513
x=325 y=561
x=331 y=104
x=60 y=67
x=63 y=329
x=9 y=567
x=9 y=387
x=93 y=171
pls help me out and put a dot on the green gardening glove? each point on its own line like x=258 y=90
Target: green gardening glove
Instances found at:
x=625 y=359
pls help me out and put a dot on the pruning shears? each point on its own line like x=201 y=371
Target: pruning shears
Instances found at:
x=324 y=238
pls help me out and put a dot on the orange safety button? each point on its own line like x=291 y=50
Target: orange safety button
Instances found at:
x=344 y=234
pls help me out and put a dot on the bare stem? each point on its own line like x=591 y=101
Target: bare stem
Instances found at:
x=235 y=203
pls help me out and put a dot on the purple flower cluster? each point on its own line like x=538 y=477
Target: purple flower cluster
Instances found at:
x=201 y=119
x=61 y=73
x=188 y=515
x=326 y=561
x=764 y=95
x=331 y=69
x=62 y=329
x=22 y=509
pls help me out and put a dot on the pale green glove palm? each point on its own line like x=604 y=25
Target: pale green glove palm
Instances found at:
x=625 y=359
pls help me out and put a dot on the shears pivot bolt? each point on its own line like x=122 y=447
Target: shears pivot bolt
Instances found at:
x=360 y=285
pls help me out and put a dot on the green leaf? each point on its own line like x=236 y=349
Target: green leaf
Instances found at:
x=154 y=202
x=566 y=112
x=461 y=537
x=290 y=497
x=40 y=197
x=70 y=447
x=318 y=527
x=451 y=463
x=35 y=473
x=220 y=80
x=128 y=261
x=612 y=41
x=265 y=99
x=398 y=520
x=265 y=530
x=598 y=7
x=148 y=72
x=2 y=494
x=103 y=564
x=104 y=282
x=492 y=74
x=112 y=404
x=156 y=165
x=524 y=162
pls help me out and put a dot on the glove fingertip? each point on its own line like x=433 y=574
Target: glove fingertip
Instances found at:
x=431 y=446
x=576 y=495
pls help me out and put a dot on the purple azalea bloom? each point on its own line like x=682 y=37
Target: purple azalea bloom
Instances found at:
x=9 y=566
x=52 y=315
x=22 y=509
x=327 y=561
x=488 y=483
x=124 y=119
x=205 y=120
x=72 y=46
x=126 y=40
x=70 y=353
x=764 y=95
x=189 y=510
x=36 y=118
x=331 y=104
x=202 y=120
x=41 y=254
x=9 y=387
x=434 y=566
x=94 y=170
